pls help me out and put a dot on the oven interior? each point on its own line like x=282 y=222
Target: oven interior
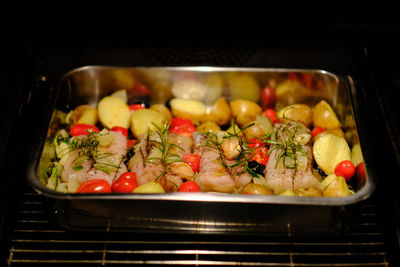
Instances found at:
x=29 y=234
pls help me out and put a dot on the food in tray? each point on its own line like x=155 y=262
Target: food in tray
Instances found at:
x=237 y=143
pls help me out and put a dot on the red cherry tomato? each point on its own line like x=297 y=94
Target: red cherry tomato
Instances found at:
x=346 y=169
x=125 y=183
x=271 y=115
x=134 y=107
x=130 y=143
x=316 y=131
x=94 y=186
x=82 y=129
x=189 y=186
x=361 y=175
x=121 y=130
x=268 y=97
x=261 y=152
x=193 y=160
x=182 y=126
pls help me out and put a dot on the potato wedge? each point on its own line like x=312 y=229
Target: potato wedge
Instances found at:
x=192 y=110
x=163 y=110
x=245 y=111
x=297 y=112
x=208 y=126
x=356 y=155
x=142 y=120
x=262 y=126
x=189 y=89
x=220 y=112
x=113 y=111
x=335 y=186
x=256 y=189
x=329 y=150
x=335 y=131
x=123 y=94
x=85 y=114
x=325 y=116
x=149 y=188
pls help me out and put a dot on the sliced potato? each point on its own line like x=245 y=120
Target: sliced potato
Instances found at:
x=244 y=111
x=142 y=120
x=356 y=155
x=121 y=94
x=288 y=193
x=329 y=150
x=335 y=186
x=308 y=192
x=208 y=126
x=335 y=131
x=256 y=189
x=149 y=188
x=85 y=114
x=235 y=129
x=262 y=126
x=244 y=86
x=297 y=112
x=163 y=110
x=325 y=116
x=220 y=112
x=113 y=111
x=192 y=110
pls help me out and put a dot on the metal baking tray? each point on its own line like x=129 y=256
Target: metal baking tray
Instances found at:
x=200 y=212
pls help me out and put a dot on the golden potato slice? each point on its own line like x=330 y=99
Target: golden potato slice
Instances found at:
x=149 y=188
x=163 y=110
x=142 y=120
x=113 y=111
x=245 y=111
x=220 y=112
x=262 y=126
x=208 y=126
x=256 y=189
x=335 y=131
x=85 y=114
x=356 y=155
x=335 y=186
x=188 y=109
x=123 y=94
x=297 y=112
x=325 y=116
x=329 y=150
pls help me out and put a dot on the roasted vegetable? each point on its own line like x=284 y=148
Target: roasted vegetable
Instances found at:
x=144 y=119
x=329 y=150
x=244 y=111
x=325 y=116
x=335 y=186
x=220 y=112
x=113 y=111
x=163 y=110
x=188 y=109
x=256 y=189
x=297 y=112
x=260 y=127
x=149 y=188
x=85 y=114
x=243 y=86
x=208 y=126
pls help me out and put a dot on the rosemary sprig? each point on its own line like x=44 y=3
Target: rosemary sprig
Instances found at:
x=164 y=146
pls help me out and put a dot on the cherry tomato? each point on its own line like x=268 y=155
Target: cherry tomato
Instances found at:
x=130 y=143
x=316 y=131
x=346 y=169
x=268 y=97
x=271 y=115
x=121 y=130
x=193 y=160
x=261 y=152
x=94 y=186
x=134 y=107
x=82 y=129
x=189 y=186
x=182 y=126
x=125 y=183
x=361 y=175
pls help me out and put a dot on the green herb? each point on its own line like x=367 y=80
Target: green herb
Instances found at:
x=164 y=146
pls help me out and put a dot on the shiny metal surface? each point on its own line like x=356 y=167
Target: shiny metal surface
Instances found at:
x=200 y=212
